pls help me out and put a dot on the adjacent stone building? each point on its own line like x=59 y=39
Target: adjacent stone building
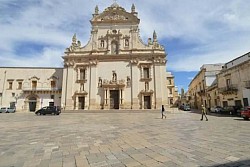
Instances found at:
x=172 y=90
x=228 y=84
x=234 y=82
x=197 y=91
x=114 y=70
x=30 y=88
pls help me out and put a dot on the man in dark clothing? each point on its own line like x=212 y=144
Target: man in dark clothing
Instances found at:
x=162 y=112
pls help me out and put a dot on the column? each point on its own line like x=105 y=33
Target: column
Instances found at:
x=76 y=103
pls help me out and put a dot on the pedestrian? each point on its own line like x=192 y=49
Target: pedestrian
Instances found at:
x=162 y=112
x=203 y=112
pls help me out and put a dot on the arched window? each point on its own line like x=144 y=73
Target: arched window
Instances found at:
x=114 y=47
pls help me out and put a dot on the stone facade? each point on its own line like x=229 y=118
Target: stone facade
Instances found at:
x=198 y=86
x=172 y=90
x=29 y=89
x=234 y=82
x=230 y=85
x=115 y=70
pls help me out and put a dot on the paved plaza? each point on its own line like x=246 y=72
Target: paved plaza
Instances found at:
x=123 y=139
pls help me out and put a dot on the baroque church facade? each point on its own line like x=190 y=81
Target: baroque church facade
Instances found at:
x=114 y=70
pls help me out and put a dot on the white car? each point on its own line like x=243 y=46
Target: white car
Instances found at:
x=216 y=109
x=7 y=110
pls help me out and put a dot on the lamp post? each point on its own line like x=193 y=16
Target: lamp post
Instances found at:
x=41 y=102
x=16 y=98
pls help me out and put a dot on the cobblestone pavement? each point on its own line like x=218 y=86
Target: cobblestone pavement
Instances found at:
x=123 y=139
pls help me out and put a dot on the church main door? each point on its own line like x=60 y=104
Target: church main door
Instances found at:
x=114 y=99
x=147 y=102
x=81 y=102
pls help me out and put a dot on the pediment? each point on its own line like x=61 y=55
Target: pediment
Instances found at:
x=34 y=78
x=53 y=77
x=118 y=15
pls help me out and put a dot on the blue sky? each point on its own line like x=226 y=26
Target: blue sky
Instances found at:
x=36 y=32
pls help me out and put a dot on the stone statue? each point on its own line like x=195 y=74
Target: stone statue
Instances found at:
x=114 y=77
x=126 y=42
x=100 y=82
x=128 y=81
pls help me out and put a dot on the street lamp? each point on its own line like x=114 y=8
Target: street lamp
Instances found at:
x=16 y=98
x=41 y=102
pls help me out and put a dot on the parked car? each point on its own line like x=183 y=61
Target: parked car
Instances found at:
x=55 y=110
x=216 y=109
x=228 y=110
x=11 y=110
x=181 y=107
x=7 y=110
x=3 y=109
x=245 y=114
x=186 y=108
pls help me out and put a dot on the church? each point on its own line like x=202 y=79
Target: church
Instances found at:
x=114 y=70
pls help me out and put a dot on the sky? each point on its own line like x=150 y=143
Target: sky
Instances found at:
x=35 y=33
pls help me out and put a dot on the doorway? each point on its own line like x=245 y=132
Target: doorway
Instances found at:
x=147 y=102
x=81 y=102
x=114 y=99
x=32 y=104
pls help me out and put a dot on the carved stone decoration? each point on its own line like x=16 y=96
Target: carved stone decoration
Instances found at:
x=134 y=61
x=105 y=81
x=69 y=64
x=122 y=81
x=96 y=10
x=114 y=17
x=75 y=44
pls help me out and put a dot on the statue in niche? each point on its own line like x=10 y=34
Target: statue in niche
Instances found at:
x=114 y=77
x=114 y=47
x=128 y=80
x=81 y=87
x=102 y=43
x=126 y=42
x=100 y=82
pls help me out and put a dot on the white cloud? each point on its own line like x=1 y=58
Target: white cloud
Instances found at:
x=219 y=29
x=49 y=57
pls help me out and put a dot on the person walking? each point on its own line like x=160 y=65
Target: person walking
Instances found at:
x=162 y=112
x=203 y=112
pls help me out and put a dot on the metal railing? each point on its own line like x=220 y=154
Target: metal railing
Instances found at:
x=228 y=88
x=41 y=89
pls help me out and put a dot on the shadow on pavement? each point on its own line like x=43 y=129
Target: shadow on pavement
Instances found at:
x=213 y=114
x=243 y=163
x=240 y=119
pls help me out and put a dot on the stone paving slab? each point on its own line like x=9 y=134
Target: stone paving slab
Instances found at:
x=125 y=139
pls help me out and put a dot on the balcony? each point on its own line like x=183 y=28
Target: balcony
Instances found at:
x=146 y=92
x=201 y=92
x=145 y=79
x=230 y=89
x=81 y=93
x=42 y=90
x=170 y=85
x=247 y=84
x=81 y=81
